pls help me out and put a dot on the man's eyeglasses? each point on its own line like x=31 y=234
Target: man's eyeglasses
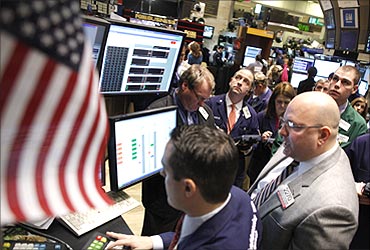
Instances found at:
x=199 y=97
x=291 y=125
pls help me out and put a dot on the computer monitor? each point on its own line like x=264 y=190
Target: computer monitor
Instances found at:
x=330 y=39
x=96 y=31
x=250 y=54
x=329 y=19
x=348 y=39
x=302 y=64
x=363 y=87
x=136 y=145
x=296 y=78
x=139 y=59
x=208 y=31
x=324 y=68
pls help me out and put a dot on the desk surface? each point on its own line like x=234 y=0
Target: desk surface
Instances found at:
x=58 y=230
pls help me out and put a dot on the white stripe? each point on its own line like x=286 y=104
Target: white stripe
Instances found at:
x=26 y=181
x=12 y=114
x=89 y=175
x=82 y=137
x=57 y=149
x=51 y=97
x=7 y=47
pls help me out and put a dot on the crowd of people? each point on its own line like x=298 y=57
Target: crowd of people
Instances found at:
x=306 y=162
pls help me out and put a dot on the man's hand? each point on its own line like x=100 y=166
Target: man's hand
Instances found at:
x=132 y=241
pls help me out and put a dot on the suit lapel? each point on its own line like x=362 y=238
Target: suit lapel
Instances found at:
x=302 y=181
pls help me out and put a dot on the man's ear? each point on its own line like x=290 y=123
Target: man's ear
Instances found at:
x=354 y=89
x=324 y=135
x=190 y=187
x=184 y=85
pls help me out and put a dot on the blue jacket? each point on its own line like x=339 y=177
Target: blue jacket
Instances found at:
x=259 y=103
x=244 y=125
x=236 y=226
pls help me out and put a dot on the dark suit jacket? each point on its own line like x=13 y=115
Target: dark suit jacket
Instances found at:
x=243 y=126
x=358 y=153
x=306 y=85
x=325 y=211
x=260 y=102
x=159 y=215
x=236 y=226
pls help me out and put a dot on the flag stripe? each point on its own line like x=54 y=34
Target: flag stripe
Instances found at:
x=47 y=142
x=11 y=72
x=22 y=136
x=87 y=143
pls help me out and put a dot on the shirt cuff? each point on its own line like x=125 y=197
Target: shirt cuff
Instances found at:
x=157 y=242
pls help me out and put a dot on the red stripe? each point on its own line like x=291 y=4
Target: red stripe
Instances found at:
x=84 y=154
x=69 y=146
x=99 y=158
x=22 y=138
x=51 y=131
x=11 y=72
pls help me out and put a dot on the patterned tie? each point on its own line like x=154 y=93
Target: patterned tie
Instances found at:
x=268 y=189
x=176 y=237
x=232 y=118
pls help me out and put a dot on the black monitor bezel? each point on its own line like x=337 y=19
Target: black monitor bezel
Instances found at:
x=213 y=31
x=106 y=24
x=112 y=161
x=150 y=28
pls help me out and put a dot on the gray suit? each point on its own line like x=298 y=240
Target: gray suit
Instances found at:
x=324 y=214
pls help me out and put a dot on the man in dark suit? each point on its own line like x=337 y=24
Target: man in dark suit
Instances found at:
x=217 y=214
x=245 y=118
x=261 y=92
x=316 y=206
x=309 y=83
x=196 y=84
x=359 y=157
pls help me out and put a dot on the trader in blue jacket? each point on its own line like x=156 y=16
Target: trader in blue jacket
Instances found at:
x=245 y=123
x=199 y=167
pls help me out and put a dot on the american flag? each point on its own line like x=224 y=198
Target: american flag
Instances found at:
x=53 y=120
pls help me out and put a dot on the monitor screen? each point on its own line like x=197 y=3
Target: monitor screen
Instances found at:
x=136 y=145
x=324 y=68
x=330 y=39
x=250 y=54
x=363 y=87
x=139 y=59
x=302 y=64
x=296 y=78
x=329 y=19
x=208 y=31
x=96 y=30
x=348 y=40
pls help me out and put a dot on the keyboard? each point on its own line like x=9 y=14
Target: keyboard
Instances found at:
x=81 y=223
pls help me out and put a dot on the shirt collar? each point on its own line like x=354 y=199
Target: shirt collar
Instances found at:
x=238 y=105
x=191 y=224
x=343 y=107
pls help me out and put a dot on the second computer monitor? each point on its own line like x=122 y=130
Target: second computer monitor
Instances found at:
x=139 y=59
x=137 y=143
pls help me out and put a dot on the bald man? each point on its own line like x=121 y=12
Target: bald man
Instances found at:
x=316 y=206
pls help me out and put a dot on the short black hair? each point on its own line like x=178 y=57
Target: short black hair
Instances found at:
x=206 y=155
x=312 y=71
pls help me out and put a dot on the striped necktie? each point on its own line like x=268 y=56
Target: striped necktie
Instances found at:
x=268 y=189
x=176 y=237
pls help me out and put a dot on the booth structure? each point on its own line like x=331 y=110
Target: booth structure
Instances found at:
x=248 y=36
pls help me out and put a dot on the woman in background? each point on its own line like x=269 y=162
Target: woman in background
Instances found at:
x=269 y=122
x=360 y=105
x=195 y=55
